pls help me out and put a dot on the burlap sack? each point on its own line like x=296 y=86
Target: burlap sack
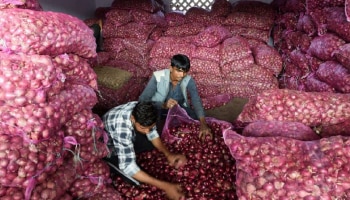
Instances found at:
x=111 y=77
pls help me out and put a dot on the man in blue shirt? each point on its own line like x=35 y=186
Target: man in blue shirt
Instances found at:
x=132 y=129
x=169 y=87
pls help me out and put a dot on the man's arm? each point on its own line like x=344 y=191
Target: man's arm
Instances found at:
x=204 y=129
x=149 y=92
x=199 y=109
x=173 y=191
x=196 y=100
x=175 y=160
x=157 y=142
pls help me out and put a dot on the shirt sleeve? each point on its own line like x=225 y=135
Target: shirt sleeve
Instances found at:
x=195 y=99
x=149 y=92
x=153 y=134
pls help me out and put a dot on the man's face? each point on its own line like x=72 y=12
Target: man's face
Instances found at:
x=144 y=129
x=177 y=74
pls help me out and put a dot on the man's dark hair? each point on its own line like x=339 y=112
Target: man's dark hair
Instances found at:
x=145 y=113
x=181 y=62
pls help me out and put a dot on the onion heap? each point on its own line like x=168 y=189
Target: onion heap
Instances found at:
x=208 y=174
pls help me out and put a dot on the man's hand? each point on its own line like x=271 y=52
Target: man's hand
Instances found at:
x=177 y=160
x=170 y=103
x=174 y=191
x=205 y=132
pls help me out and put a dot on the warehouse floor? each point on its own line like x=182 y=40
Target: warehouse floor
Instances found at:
x=228 y=112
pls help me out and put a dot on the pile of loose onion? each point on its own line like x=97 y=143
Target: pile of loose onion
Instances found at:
x=208 y=174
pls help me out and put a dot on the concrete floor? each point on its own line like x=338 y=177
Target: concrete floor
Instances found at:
x=228 y=112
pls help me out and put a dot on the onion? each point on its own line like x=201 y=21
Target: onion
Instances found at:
x=206 y=175
x=305 y=172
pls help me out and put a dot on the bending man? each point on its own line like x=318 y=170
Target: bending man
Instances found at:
x=132 y=129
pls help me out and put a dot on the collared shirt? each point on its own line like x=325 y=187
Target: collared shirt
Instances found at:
x=175 y=93
x=121 y=135
x=196 y=101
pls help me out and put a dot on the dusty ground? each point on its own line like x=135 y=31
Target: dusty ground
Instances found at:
x=228 y=112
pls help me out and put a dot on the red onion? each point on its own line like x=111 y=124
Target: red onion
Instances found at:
x=43 y=40
x=310 y=108
x=305 y=172
x=85 y=126
x=208 y=172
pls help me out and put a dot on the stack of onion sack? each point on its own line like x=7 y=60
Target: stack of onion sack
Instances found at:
x=313 y=38
x=326 y=113
x=209 y=172
x=46 y=97
x=25 y=163
x=286 y=168
x=228 y=47
x=127 y=29
x=25 y=4
x=296 y=130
